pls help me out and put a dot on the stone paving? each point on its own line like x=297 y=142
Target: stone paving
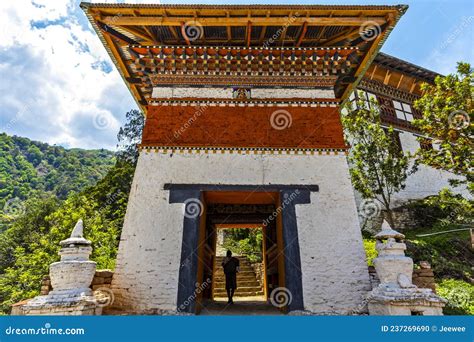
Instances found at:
x=242 y=306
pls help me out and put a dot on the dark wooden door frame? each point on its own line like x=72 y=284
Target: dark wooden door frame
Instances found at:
x=190 y=194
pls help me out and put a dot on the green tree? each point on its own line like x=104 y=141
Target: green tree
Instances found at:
x=129 y=136
x=246 y=242
x=447 y=109
x=31 y=243
x=378 y=167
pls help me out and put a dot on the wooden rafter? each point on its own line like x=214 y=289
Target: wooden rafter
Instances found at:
x=363 y=65
x=386 y=79
x=400 y=81
x=228 y=29
x=348 y=33
x=264 y=30
x=171 y=28
x=239 y=21
x=303 y=30
x=117 y=35
x=413 y=85
x=123 y=67
x=373 y=72
x=146 y=29
x=285 y=27
x=183 y=33
x=248 y=33
x=321 y=32
x=139 y=33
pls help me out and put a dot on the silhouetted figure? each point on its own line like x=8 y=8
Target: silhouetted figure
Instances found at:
x=231 y=267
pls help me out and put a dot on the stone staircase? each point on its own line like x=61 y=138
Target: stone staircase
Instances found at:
x=247 y=283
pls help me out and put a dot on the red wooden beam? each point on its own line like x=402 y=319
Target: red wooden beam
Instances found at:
x=303 y=32
x=249 y=32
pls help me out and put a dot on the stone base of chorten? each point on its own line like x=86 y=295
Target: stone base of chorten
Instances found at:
x=387 y=300
x=77 y=302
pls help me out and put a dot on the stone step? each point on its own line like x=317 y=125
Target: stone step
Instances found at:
x=248 y=268
x=239 y=294
x=242 y=260
x=242 y=266
x=239 y=279
x=251 y=272
x=250 y=282
x=247 y=284
x=239 y=290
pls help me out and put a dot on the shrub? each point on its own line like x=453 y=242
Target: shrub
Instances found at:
x=246 y=242
x=459 y=294
x=370 y=251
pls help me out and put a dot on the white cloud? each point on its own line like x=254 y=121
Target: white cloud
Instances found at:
x=57 y=82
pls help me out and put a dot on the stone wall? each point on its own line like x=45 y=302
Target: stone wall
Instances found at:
x=405 y=218
x=423 y=277
x=259 y=272
x=334 y=270
x=102 y=279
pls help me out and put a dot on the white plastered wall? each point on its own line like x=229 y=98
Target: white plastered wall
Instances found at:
x=334 y=270
x=426 y=181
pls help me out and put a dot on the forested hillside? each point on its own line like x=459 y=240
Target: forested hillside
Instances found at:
x=100 y=184
x=30 y=169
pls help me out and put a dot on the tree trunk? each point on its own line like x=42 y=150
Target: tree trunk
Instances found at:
x=390 y=217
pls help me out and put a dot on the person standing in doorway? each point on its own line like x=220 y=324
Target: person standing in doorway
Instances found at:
x=231 y=267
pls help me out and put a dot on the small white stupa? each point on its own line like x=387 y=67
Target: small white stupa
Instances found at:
x=71 y=279
x=396 y=294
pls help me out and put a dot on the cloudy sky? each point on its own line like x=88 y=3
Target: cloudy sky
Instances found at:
x=58 y=85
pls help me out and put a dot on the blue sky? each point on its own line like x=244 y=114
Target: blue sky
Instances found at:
x=59 y=86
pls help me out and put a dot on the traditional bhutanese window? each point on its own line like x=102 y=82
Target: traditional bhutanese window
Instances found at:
x=363 y=95
x=403 y=110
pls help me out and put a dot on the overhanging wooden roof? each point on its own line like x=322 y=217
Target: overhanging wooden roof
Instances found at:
x=399 y=65
x=121 y=26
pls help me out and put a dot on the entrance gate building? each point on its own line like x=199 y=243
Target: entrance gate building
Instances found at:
x=242 y=109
